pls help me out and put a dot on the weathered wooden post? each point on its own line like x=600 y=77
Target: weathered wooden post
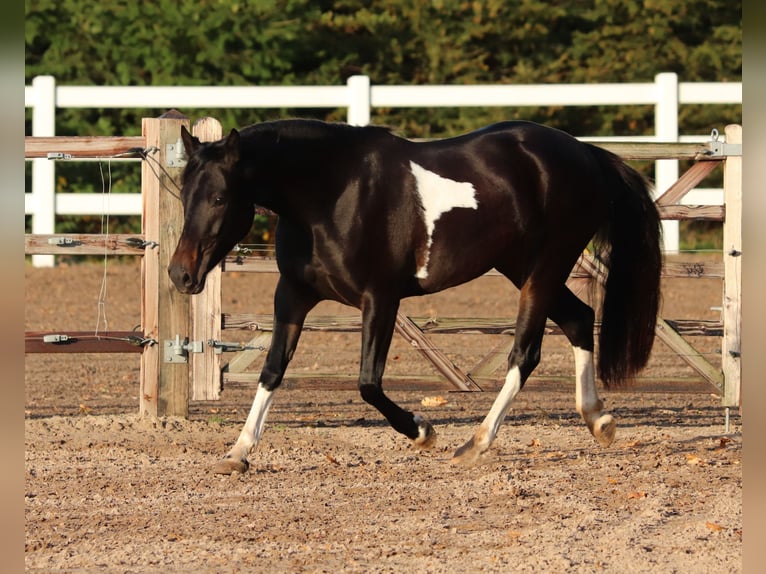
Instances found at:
x=732 y=260
x=205 y=366
x=164 y=310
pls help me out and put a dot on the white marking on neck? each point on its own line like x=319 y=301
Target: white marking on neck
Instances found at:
x=439 y=195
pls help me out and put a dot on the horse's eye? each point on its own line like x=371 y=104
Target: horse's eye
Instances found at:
x=219 y=200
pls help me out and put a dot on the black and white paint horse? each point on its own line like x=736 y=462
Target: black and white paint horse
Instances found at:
x=368 y=218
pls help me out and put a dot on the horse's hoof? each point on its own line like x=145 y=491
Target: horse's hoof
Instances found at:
x=467 y=455
x=230 y=465
x=604 y=430
x=426 y=434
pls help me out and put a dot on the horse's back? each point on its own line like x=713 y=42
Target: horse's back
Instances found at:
x=532 y=185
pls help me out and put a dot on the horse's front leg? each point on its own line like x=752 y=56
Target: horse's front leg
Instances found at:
x=291 y=305
x=378 y=320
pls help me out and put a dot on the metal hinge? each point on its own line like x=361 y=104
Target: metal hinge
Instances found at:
x=175 y=154
x=718 y=148
x=177 y=351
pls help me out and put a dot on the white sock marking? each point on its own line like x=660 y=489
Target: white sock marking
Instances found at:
x=586 y=397
x=251 y=432
x=502 y=404
x=439 y=195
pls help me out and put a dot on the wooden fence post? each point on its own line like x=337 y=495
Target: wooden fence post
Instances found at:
x=732 y=283
x=164 y=310
x=205 y=367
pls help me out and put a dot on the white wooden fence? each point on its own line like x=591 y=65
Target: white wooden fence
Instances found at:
x=358 y=96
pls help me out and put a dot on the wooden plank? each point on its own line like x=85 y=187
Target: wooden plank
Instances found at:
x=655 y=150
x=150 y=269
x=732 y=285
x=83 y=342
x=699 y=212
x=412 y=333
x=435 y=383
x=496 y=358
x=439 y=325
x=693 y=269
x=688 y=181
x=167 y=313
x=244 y=359
x=338 y=382
x=696 y=327
x=109 y=146
x=261 y=264
x=689 y=354
x=82 y=244
x=250 y=264
x=82 y=146
x=205 y=309
x=587 y=266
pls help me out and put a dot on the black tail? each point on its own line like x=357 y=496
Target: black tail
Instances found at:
x=630 y=247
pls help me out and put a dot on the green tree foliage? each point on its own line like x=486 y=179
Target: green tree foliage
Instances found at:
x=308 y=42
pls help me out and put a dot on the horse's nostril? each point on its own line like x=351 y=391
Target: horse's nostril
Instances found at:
x=181 y=277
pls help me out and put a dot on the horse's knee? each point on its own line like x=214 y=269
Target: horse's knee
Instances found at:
x=371 y=392
x=526 y=360
x=580 y=331
x=270 y=378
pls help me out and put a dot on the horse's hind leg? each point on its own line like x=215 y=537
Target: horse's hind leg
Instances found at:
x=378 y=320
x=576 y=321
x=523 y=358
x=291 y=305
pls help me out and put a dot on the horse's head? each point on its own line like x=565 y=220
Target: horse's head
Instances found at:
x=218 y=212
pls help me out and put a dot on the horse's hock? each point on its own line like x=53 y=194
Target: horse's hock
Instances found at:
x=181 y=337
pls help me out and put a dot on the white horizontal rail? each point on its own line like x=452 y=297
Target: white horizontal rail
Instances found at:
x=382 y=96
x=91 y=203
x=710 y=92
x=202 y=97
x=513 y=95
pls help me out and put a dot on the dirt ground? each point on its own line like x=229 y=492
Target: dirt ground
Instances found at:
x=333 y=489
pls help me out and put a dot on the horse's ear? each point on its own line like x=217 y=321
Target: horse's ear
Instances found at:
x=232 y=146
x=190 y=142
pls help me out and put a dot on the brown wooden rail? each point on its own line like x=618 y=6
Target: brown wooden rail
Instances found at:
x=697 y=269
x=84 y=244
x=83 y=342
x=82 y=147
x=441 y=325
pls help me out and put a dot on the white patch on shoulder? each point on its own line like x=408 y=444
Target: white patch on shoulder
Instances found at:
x=439 y=195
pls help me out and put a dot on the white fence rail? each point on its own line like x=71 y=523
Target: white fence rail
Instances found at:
x=666 y=93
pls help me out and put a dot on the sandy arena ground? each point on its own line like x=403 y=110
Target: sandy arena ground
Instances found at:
x=333 y=489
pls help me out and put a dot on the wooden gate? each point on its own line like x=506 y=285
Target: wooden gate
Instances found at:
x=210 y=374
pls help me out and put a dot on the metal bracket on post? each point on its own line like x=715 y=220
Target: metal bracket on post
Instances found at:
x=175 y=154
x=718 y=148
x=177 y=351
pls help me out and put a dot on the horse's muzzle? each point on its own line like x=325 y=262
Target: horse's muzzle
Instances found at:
x=183 y=280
